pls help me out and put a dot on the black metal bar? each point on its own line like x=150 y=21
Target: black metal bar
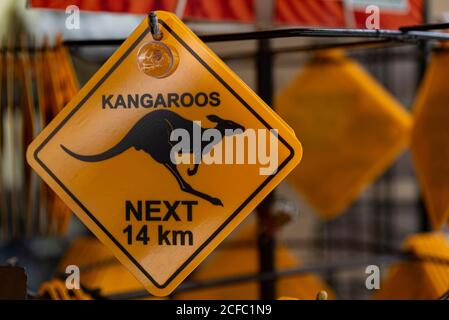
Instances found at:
x=154 y=26
x=326 y=229
x=366 y=44
x=266 y=242
x=423 y=48
x=425 y=27
x=424 y=221
x=93 y=42
x=300 y=32
x=327 y=33
x=422 y=45
x=316 y=47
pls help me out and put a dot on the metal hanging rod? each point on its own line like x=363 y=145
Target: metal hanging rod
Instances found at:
x=338 y=45
x=396 y=35
x=406 y=34
x=424 y=27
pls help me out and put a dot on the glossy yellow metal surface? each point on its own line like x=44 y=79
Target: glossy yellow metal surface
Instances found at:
x=351 y=129
x=159 y=219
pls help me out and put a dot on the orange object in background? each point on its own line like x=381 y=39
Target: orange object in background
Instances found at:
x=351 y=128
x=393 y=14
x=310 y=13
x=324 y=13
x=117 y=6
x=422 y=279
x=335 y=13
x=215 y=10
x=430 y=138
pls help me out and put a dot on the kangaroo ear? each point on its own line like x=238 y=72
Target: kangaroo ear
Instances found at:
x=214 y=118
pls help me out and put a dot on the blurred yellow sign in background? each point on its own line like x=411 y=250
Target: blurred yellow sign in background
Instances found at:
x=351 y=129
x=430 y=138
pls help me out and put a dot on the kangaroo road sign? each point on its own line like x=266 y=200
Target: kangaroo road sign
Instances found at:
x=163 y=153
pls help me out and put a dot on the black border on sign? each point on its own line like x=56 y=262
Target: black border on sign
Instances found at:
x=98 y=223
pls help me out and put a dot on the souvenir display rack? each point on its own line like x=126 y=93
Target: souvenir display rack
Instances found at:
x=422 y=37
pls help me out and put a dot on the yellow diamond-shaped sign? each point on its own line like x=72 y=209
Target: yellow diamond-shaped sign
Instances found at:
x=430 y=139
x=112 y=153
x=350 y=127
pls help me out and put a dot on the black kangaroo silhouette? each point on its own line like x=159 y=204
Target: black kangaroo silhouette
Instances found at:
x=152 y=135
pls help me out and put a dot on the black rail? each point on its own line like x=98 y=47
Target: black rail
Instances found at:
x=404 y=34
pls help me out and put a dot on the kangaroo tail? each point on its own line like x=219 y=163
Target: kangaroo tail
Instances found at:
x=114 y=151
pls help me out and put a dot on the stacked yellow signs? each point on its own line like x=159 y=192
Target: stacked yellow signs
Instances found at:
x=163 y=153
x=350 y=127
x=424 y=278
x=430 y=139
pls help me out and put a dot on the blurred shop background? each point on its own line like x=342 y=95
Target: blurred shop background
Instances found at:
x=355 y=201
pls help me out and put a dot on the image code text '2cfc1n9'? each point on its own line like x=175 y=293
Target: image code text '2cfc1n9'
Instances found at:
x=164 y=152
